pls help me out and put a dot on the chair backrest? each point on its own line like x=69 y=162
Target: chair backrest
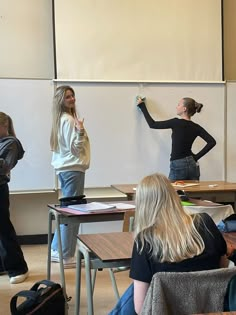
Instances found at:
x=128 y=222
x=184 y=293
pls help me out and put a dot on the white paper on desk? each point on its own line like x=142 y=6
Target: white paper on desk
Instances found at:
x=123 y=206
x=185 y=185
x=92 y=207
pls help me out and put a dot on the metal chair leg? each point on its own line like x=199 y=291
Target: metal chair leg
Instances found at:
x=114 y=285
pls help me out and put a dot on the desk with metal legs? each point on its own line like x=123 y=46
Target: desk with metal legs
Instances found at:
x=112 y=250
x=66 y=216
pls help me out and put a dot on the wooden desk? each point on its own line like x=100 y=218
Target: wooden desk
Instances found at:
x=112 y=250
x=127 y=189
x=63 y=215
x=205 y=190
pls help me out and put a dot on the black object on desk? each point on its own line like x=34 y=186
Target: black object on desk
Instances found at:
x=182 y=195
x=74 y=200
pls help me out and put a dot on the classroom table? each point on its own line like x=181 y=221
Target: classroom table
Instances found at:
x=64 y=215
x=112 y=250
x=209 y=190
x=216 y=211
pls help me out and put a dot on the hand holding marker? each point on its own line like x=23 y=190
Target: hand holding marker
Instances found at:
x=139 y=99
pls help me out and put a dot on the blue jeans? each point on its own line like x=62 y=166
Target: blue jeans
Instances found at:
x=72 y=184
x=125 y=306
x=184 y=169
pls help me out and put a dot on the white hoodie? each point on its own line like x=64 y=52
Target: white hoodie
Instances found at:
x=73 y=147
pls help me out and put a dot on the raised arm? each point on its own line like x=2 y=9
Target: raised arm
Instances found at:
x=165 y=124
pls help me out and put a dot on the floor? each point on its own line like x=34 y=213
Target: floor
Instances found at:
x=36 y=257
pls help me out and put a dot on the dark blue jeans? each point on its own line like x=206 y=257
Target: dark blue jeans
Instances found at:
x=125 y=306
x=184 y=169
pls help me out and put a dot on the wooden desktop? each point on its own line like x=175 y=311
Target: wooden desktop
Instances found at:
x=210 y=190
x=112 y=249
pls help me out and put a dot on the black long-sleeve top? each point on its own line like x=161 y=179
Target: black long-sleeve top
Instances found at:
x=184 y=132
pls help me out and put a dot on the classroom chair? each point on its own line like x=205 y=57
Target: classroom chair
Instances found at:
x=184 y=293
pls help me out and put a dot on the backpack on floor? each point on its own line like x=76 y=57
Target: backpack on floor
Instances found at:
x=44 y=298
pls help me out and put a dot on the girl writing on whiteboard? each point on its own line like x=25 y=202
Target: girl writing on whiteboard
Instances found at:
x=12 y=259
x=71 y=157
x=183 y=162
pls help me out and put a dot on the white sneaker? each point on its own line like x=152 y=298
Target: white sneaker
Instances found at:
x=54 y=255
x=68 y=263
x=19 y=278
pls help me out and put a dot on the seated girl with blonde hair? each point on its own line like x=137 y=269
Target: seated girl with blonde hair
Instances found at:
x=167 y=239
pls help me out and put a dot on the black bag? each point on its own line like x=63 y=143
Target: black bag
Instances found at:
x=230 y=223
x=74 y=200
x=44 y=298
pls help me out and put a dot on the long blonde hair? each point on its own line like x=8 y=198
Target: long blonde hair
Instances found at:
x=57 y=110
x=6 y=119
x=162 y=223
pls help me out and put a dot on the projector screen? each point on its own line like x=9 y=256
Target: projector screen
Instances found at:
x=136 y=40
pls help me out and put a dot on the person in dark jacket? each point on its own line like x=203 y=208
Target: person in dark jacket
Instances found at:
x=12 y=259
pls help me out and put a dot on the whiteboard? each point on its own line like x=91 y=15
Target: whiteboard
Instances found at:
x=136 y=40
x=124 y=149
x=29 y=103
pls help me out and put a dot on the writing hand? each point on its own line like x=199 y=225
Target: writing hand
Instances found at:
x=140 y=99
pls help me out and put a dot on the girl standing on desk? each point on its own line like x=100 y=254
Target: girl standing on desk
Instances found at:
x=167 y=239
x=12 y=259
x=183 y=162
x=70 y=158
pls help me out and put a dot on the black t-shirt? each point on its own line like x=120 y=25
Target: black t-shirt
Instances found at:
x=143 y=267
x=184 y=132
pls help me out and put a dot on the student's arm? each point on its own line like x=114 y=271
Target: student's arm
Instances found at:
x=140 y=291
x=4 y=169
x=10 y=160
x=210 y=143
x=76 y=138
x=165 y=124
